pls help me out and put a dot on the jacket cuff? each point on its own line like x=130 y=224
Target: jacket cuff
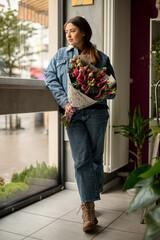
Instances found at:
x=63 y=104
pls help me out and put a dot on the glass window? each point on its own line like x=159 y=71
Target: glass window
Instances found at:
x=24 y=38
x=25 y=164
x=25 y=168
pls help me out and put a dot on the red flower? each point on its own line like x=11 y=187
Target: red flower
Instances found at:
x=75 y=72
x=99 y=84
x=99 y=94
x=103 y=82
x=83 y=69
x=103 y=74
x=83 y=87
x=102 y=88
x=80 y=78
x=87 y=91
x=99 y=75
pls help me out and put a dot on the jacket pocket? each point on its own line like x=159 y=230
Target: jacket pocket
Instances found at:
x=61 y=67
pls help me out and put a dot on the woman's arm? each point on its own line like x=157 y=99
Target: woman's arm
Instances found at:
x=54 y=85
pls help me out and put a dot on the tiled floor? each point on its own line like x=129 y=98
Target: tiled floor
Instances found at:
x=56 y=218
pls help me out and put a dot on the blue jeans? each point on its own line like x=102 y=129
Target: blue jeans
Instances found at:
x=86 y=135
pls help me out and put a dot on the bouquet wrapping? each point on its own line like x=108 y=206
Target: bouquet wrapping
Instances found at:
x=86 y=84
x=76 y=98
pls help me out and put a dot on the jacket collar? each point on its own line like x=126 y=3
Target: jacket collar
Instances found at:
x=70 y=47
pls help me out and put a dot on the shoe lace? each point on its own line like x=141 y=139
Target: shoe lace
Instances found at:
x=86 y=212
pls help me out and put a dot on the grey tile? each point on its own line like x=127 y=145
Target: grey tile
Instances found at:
x=104 y=216
x=56 y=205
x=10 y=236
x=63 y=230
x=30 y=238
x=119 y=203
x=55 y=208
x=66 y=195
x=39 y=220
x=117 y=191
x=111 y=234
x=130 y=223
x=23 y=223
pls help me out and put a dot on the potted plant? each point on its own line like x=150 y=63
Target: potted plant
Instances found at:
x=137 y=131
x=147 y=178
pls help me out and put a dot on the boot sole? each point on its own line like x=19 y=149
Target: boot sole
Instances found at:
x=89 y=228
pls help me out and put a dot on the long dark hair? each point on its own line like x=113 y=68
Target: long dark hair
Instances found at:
x=84 y=26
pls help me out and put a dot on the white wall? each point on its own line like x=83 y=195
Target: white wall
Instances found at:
x=117 y=46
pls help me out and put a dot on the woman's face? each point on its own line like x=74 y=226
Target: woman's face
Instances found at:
x=74 y=36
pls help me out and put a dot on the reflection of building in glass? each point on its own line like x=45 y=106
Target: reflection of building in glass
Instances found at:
x=31 y=56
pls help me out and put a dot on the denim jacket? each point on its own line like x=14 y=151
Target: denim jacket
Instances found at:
x=56 y=73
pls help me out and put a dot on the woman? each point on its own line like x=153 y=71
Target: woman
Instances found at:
x=87 y=129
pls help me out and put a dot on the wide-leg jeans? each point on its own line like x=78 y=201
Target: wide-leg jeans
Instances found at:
x=86 y=135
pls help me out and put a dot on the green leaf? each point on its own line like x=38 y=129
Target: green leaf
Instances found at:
x=137 y=130
x=145 y=181
x=153 y=224
x=152 y=171
x=134 y=177
x=146 y=196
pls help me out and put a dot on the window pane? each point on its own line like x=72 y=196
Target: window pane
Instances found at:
x=25 y=168
x=24 y=38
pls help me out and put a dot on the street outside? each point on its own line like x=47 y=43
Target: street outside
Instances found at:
x=22 y=147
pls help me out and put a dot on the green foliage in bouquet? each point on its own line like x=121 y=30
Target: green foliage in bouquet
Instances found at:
x=137 y=132
x=11 y=190
x=40 y=171
x=147 y=179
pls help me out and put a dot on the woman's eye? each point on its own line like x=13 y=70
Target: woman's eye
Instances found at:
x=71 y=31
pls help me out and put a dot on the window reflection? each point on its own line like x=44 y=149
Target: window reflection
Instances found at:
x=24 y=38
x=24 y=160
x=24 y=165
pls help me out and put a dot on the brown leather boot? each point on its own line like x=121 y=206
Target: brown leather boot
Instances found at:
x=88 y=215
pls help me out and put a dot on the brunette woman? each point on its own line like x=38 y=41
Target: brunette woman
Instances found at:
x=87 y=129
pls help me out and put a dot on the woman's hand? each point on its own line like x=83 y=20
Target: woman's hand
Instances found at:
x=69 y=109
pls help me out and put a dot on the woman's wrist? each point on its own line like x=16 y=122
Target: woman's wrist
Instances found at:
x=69 y=108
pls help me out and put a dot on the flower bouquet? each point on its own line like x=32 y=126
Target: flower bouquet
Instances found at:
x=87 y=85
